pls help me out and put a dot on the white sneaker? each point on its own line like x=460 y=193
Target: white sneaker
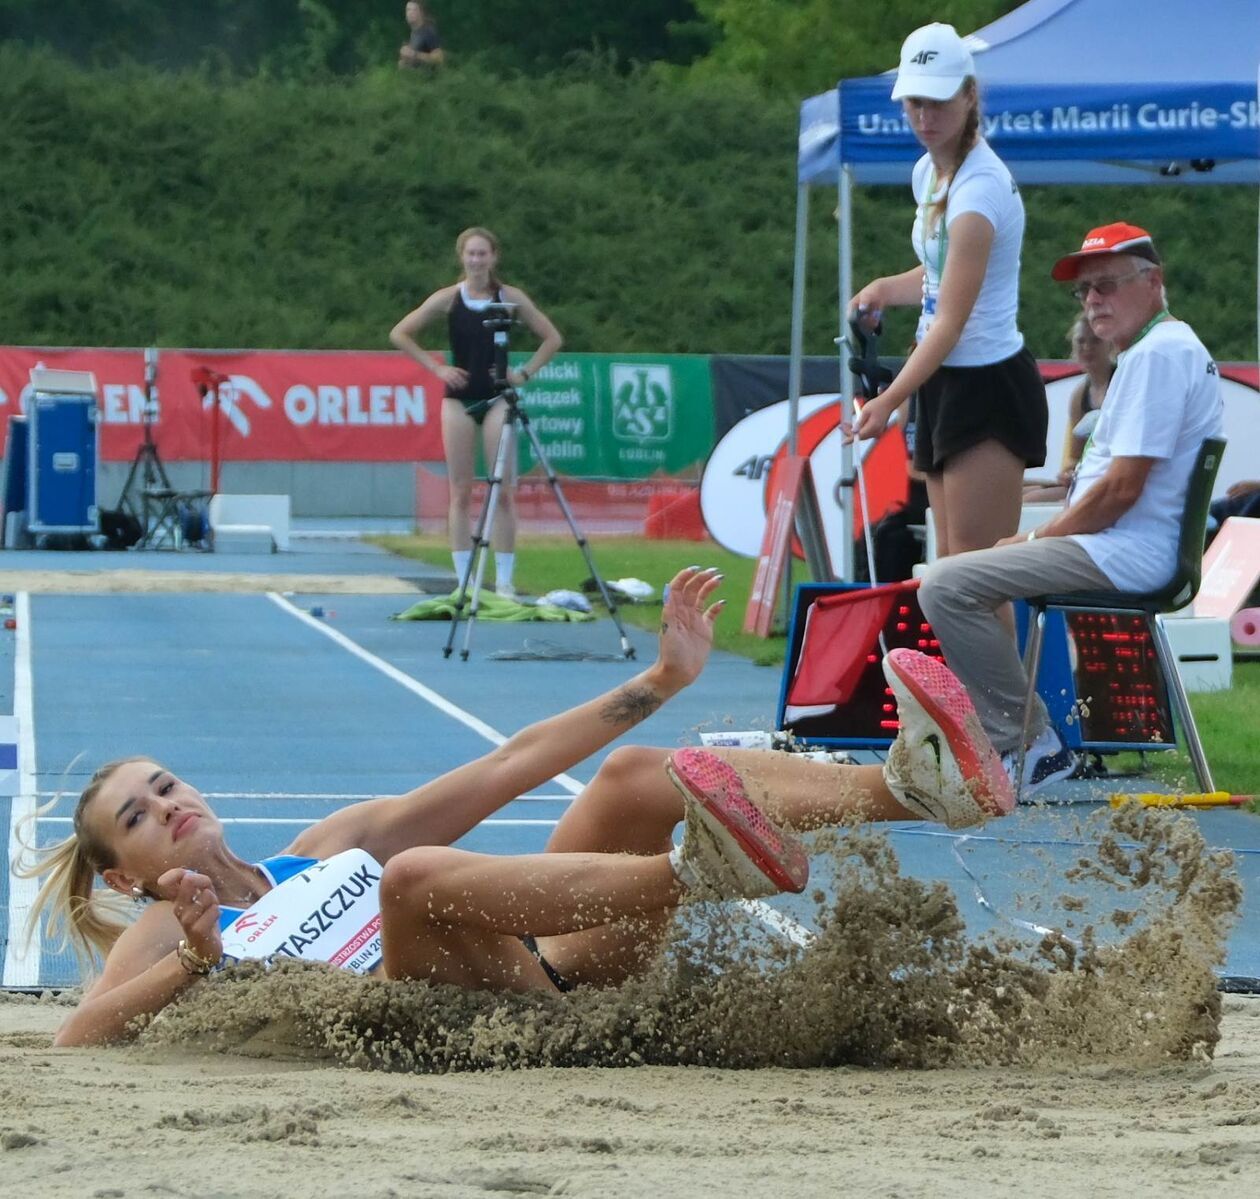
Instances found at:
x=505 y=590
x=730 y=848
x=1046 y=760
x=942 y=765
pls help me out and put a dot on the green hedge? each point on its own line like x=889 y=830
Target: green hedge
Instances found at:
x=643 y=212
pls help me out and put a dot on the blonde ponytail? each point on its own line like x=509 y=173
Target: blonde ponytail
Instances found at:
x=966 y=143
x=88 y=919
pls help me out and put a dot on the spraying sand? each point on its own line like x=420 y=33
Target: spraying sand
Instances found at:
x=1084 y=1067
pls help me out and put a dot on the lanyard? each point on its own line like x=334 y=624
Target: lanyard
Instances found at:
x=1146 y=328
x=942 y=237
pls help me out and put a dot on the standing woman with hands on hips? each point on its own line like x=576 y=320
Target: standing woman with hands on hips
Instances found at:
x=982 y=414
x=473 y=403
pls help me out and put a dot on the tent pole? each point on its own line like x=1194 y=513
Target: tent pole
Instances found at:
x=808 y=523
x=798 y=314
x=844 y=491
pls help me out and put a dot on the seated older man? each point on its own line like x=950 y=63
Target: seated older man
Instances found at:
x=1120 y=526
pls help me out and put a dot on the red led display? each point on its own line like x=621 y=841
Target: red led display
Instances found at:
x=869 y=715
x=1120 y=689
x=1104 y=689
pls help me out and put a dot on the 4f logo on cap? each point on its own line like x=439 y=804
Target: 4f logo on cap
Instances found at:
x=923 y=57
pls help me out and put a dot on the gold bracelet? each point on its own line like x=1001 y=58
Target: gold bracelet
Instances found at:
x=192 y=961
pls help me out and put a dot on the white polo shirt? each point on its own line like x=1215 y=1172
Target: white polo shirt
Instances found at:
x=982 y=185
x=1164 y=399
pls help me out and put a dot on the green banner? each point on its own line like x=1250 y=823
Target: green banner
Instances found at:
x=620 y=416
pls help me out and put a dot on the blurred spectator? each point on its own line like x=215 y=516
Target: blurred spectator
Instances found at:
x=424 y=47
x=1099 y=360
x=1242 y=499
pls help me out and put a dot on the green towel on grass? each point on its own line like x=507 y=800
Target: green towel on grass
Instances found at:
x=491 y=607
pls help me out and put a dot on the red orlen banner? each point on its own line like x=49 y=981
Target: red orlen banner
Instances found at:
x=322 y=406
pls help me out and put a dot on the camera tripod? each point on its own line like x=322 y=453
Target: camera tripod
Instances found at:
x=147 y=472
x=499 y=321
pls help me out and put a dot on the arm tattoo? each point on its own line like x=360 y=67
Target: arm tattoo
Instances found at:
x=630 y=705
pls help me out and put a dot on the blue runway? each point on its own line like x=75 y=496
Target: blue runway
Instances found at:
x=280 y=717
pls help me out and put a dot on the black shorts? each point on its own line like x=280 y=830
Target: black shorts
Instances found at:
x=477 y=409
x=961 y=406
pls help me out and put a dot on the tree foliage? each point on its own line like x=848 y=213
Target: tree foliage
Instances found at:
x=301 y=38
x=643 y=213
x=803 y=46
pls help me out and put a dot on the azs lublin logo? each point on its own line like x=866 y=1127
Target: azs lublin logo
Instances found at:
x=643 y=401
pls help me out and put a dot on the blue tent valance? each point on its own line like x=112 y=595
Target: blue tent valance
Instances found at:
x=1085 y=91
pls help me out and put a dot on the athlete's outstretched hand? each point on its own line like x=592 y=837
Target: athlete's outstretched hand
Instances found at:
x=687 y=623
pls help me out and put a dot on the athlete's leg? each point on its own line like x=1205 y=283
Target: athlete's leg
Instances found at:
x=945 y=770
x=632 y=807
x=459 y=440
x=452 y=916
x=503 y=536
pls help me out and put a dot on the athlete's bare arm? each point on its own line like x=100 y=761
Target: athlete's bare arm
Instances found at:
x=442 y=811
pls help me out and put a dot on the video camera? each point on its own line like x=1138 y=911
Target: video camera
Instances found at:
x=499 y=317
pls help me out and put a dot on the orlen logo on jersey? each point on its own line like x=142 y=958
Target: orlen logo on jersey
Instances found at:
x=250 y=921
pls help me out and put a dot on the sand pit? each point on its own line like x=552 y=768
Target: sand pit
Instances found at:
x=1097 y=1069
x=136 y=1122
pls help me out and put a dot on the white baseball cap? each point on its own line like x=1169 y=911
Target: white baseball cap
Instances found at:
x=934 y=63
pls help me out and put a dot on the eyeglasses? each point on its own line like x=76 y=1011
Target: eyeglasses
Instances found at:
x=1106 y=286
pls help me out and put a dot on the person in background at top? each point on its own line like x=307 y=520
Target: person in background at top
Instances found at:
x=982 y=415
x=424 y=47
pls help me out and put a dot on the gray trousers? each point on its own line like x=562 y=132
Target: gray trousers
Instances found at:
x=959 y=596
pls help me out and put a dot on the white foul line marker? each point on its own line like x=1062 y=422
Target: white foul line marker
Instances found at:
x=779 y=922
x=22 y=958
x=427 y=694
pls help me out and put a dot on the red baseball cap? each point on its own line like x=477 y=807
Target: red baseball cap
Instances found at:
x=1107 y=239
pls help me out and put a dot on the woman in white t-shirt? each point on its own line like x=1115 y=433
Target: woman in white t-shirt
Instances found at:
x=982 y=415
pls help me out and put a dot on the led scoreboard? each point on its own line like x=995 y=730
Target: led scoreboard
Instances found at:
x=1121 y=699
x=1099 y=677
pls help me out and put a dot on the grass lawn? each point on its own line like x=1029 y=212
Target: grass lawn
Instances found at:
x=1229 y=724
x=1229 y=721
